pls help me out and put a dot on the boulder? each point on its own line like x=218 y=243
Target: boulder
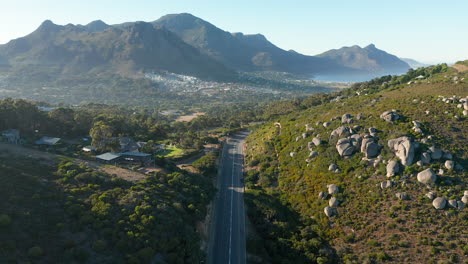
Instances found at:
x=402 y=196
x=425 y=158
x=313 y=154
x=292 y=154
x=418 y=130
x=371 y=149
x=341 y=131
x=465 y=112
x=304 y=135
x=316 y=141
x=403 y=148
x=449 y=164
x=345 y=147
x=333 y=202
x=465 y=193
x=332 y=167
x=360 y=116
x=453 y=203
x=298 y=138
x=347 y=119
x=310 y=145
x=389 y=116
x=448 y=155
x=460 y=205
x=427 y=176
x=326 y=124
x=464 y=199
x=436 y=153
x=439 y=203
x=417 y=124
x=393 y=168
x=386 y=184
x=330 y=211
x=323 y=195
x=430 y=195
x=333 y=189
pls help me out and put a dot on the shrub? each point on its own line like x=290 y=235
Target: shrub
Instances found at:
x=5 y=220
x=35 y=252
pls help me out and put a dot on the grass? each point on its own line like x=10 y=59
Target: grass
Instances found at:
x=171 y=152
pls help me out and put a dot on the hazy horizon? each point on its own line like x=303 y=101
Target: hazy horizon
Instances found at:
x=427 y=32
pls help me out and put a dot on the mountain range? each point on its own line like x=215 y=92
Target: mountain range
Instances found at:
x=183 y=44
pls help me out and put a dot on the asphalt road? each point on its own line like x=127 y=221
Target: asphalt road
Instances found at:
x=227 y=231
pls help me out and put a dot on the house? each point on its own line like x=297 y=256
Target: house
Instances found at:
x=49 y=141
x=12 y=135
x=136 y=158
x=89 y=149
x=109 y=158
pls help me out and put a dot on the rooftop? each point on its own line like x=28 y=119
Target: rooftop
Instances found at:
x=47 y=141
x=108 y=156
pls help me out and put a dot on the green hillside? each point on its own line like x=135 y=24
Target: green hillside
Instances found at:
x=372 y=224
x=74 y=214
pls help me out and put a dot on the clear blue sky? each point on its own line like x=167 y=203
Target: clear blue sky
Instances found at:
x=426 y=30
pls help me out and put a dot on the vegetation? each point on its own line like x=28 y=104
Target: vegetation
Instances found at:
x=373 y=225
x=76 y=213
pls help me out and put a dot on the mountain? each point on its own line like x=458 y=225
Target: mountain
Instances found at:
x=367 y=60
x=97 y=47
x=97 y=25
x=244 y=52
x=414 y=63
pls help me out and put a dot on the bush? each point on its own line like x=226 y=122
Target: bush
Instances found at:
x=99 y=245
x=35 y=252
x=5 y=220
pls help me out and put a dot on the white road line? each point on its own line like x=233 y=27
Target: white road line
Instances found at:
x=232 y=196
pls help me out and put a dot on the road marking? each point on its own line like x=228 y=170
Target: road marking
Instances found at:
x=232 y=196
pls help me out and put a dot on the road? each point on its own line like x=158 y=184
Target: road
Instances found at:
x=227 y=231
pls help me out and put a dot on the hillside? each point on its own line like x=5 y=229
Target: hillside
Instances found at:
x=360 y=195
x=98 y=48
x=369 y=61
x=414 y=63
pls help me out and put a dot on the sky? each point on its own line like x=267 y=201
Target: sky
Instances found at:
x=426 y=30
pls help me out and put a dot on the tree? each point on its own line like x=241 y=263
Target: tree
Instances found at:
x=100 y=133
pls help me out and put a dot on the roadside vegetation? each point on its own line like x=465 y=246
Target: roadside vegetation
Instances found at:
x=76 y=214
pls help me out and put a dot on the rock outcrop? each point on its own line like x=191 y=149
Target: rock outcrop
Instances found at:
x=390 y=116
x=316 y=141
x=393 y=168
x=370 y=147
x=439 y=203
x=402 y=196
x=333 y=202
x=403 y=148
x=386 y=184
x=341 y=131
x=347 y=119
x=436 y=153
x=330 y=211
x=449 y=164
x=427 y=176
x=345 y=147
x=333 y=189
